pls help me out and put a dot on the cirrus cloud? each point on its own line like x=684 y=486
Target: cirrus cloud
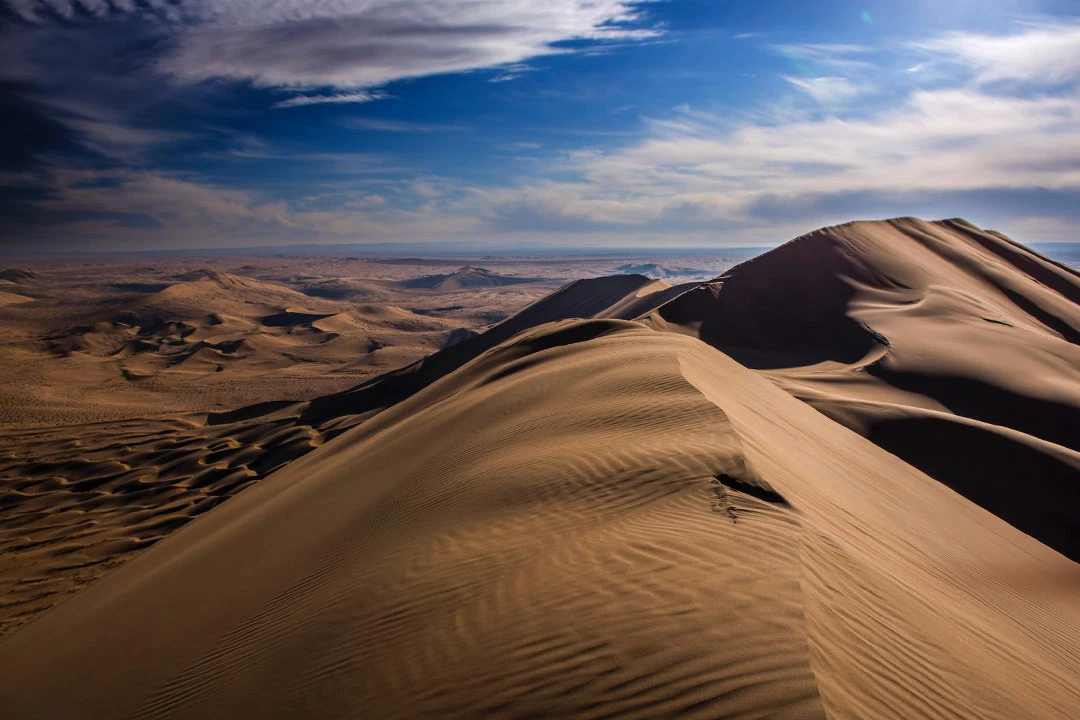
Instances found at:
x=1044 y=54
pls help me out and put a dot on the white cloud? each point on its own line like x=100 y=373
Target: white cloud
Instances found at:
x=1041 y=54
x=696 y=169
x=356 y=96
x=339 y=51
x=941 y=141
x=357 y=44
x=834 y=56
x=826 y=90
x=353 y=45
x=399 y=126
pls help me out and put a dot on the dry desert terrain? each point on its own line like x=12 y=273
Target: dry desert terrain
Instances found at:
x=836 y=480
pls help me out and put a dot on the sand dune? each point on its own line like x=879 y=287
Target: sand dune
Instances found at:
x=466 y=277
x=211 y=320
x=897 y=328
x=17 y=275
x=78 y=347
x=12 y=298
x=658 y=271
x=617 y=561
x=615 y=503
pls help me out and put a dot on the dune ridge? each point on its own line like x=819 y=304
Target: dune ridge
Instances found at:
x=907 y=330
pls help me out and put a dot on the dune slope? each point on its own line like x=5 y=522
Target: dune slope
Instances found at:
x=950 y=346
x=78 y=501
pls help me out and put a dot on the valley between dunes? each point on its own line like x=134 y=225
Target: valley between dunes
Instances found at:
x=840 y=480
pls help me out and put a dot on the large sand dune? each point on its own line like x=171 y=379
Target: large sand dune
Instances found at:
x=950 y=346
x=627 y=514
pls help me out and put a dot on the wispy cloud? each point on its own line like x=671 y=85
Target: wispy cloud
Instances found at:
x=85 y=83
x=399 y=126
x=835 y=56
x=363 y=45
x=356 y=96
x=309 y=44
x=826 y=90
x=120 y=208
x=978 y=114
x=1046 y=54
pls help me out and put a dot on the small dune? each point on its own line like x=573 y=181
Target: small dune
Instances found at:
x=465 y=278
x=17 y=275
x=10 y=298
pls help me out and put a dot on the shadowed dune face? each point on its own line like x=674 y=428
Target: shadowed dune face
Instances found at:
x=869 y=320
x=607 y=505
x=785 y=309
x=998 y=471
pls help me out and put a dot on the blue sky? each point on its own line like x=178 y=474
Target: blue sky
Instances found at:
x=140 y=124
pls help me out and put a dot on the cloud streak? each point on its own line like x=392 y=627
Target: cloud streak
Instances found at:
x=357 y=96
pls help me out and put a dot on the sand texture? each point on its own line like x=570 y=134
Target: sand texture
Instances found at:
x=760 y=496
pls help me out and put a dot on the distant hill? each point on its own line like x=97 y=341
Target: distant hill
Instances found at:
x=10 y=298
x=17 y=274
x=659 y=272
x=464 y=278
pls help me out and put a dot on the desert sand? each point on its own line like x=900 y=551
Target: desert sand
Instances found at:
x=839 y=480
